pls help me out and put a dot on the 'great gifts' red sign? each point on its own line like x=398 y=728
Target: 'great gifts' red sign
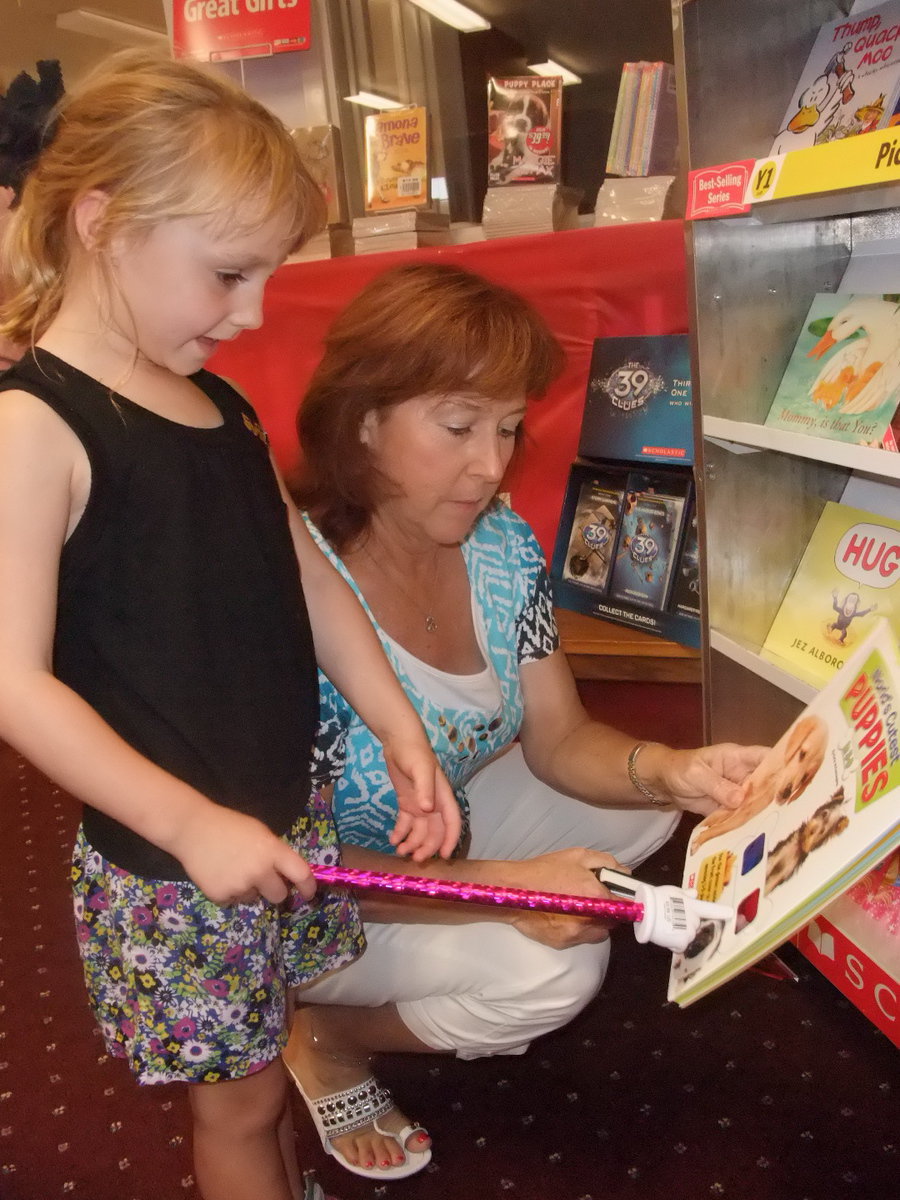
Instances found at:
x=217 y=30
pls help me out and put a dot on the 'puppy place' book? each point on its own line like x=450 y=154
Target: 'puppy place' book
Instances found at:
x=843 y=377
x=819 y=812
x=524 y=129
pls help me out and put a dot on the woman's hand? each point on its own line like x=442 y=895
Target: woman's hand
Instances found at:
x=428 y=820
x=702 y=780
x=569 y=873
x=235 y=859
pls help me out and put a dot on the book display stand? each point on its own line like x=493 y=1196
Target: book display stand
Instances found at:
x=767 y=235
x=626 y=546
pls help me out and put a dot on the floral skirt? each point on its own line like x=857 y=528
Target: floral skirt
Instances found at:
x=187 y=990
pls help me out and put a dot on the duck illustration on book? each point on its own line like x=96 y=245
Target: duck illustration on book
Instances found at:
x=862 y=373
x=843 y=377
x=818 y=108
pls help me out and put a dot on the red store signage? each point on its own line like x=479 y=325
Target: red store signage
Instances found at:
x=218 y=30
x=719 y=191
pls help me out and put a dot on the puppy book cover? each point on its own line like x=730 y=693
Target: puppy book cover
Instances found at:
x=818 y=812
x=396 y=159
x=524 y=129
x=848 y=577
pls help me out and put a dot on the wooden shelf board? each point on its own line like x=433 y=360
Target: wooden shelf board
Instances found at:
x=598 y=649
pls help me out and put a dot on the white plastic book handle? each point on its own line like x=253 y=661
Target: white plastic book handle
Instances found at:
x=672 y=915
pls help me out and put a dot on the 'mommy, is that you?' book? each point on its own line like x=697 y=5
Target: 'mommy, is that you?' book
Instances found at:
x=843 y=377
x=818 y=813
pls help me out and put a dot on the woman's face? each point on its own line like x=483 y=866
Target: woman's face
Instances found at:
x=444 y=456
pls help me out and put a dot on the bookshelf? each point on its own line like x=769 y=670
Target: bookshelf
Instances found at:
x=751 y=279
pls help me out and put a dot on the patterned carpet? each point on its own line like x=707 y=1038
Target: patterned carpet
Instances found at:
x=766 y=1090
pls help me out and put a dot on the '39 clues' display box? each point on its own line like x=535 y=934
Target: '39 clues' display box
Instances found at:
x=620 y=544
x=638 y=401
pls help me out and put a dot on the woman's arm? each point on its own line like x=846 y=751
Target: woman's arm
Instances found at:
x=44 y=481
x=350 y=654
x=581 y=757
x=567 y=872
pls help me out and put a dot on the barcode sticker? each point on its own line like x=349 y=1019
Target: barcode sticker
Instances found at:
x=408 y=185
x=677 y=913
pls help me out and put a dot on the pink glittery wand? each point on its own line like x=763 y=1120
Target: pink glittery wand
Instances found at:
x=667 y=916
x=482 y=893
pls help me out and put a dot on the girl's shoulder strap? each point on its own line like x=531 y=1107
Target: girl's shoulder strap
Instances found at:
x=57 y=384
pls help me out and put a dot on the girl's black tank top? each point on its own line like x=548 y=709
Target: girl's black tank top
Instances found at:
x=181 y=618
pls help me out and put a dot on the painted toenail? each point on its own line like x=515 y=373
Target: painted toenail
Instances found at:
x=423 y=1137
x=385 y=1162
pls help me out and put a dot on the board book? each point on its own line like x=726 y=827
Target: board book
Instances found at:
x=817 y=814
x=842 y=380
x=848 y=578
x=850 y=82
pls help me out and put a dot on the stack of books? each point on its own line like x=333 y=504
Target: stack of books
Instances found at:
x=644 y=139
x=535 y=208
x=401 y=230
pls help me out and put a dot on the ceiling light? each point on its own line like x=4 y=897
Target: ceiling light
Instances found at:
x=111 y=29
x=371 y=100
x=454 y=14
x=553 y=68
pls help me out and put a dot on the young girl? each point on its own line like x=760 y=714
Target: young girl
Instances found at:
x=156 y=656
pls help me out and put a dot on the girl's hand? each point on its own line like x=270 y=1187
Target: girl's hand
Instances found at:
x=569 y=873
x=429 y=820
x=699 y=781
x=233 y=858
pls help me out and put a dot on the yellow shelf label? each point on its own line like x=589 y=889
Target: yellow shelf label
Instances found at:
x=861 y=161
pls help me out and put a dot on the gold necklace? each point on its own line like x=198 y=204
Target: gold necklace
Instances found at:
x=430 y=622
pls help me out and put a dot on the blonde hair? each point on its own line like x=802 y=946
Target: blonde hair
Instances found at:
x=163 y=140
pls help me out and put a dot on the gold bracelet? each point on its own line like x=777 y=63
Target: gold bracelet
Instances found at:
x=638 y=784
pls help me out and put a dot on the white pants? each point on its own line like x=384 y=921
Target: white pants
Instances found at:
x=484 y=988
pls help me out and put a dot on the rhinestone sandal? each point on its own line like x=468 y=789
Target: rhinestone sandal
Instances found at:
x=344 y=1112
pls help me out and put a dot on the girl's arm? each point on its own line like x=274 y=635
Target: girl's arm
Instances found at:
x=44 y=483
x=350 y=654
x=589 y=760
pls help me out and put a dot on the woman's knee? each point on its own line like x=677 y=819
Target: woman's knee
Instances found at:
x=546 y=991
